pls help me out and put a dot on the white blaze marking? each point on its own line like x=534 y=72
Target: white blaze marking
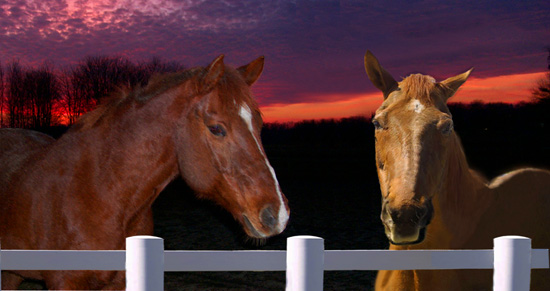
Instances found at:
x=416 y=106
x=246 y=115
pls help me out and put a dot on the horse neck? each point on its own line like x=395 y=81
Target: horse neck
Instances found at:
x=129 y=158
x=463 y=197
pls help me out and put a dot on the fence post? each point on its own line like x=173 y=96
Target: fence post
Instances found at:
x=512 y=263
x=305 y=263
x=144 y=263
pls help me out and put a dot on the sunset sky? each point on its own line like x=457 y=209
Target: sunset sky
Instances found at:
x=314 y=49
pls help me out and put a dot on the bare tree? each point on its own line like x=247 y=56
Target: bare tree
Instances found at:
x=94 y=78
x=39 y=97
x=15 y=95
x=541 y=93
x=31 y=96
x=155 y=65
x=72 y=104
x=2 y=97
x=41 y=91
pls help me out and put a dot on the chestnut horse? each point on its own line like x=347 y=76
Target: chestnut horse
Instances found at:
x=431 y=199
x=94 y=186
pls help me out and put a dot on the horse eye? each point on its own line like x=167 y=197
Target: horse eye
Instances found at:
x=381 y=165
x=447 y=128
x=217 y=130
x=376 y=124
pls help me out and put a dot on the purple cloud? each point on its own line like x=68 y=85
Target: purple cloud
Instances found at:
x=313 y=49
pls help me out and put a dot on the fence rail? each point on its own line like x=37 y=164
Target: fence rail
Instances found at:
x=304 y=261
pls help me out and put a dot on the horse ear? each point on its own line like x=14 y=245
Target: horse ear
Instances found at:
x=212 y=75
x=379 y=76
x=452 y=84
x=252 y=71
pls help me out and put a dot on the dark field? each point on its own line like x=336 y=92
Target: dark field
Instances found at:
x=330 y=196
x=326 y=170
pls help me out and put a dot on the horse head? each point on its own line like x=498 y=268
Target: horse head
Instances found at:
x=220 y=154
x=413 y=132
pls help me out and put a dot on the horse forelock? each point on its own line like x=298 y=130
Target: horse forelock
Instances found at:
x=419 y=87
x=234 y=93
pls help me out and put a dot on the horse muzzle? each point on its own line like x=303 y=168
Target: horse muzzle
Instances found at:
x=406 y=224
x=405 y=236
x=267 y=223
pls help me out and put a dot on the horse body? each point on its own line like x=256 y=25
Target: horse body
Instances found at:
x=17 y=148
x=432 y=199
x=81 y=203
x=94 y=186
x=460 y=224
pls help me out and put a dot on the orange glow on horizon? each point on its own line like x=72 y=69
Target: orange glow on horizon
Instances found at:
x=354 y=105
x=508 y=89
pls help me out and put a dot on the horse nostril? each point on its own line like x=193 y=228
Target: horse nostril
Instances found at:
x=422 y=213
x=393 y=214
x=425 y=215
x=267 y=217
x=251 y=228
x=386 y=215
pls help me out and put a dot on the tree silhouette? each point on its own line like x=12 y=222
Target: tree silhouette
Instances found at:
x=41 y=91
x=155 y=65
x=31 y=96
x=2 y=98
x=97 y=77
x=15 y=95
x=541 y=93
x=71 y=105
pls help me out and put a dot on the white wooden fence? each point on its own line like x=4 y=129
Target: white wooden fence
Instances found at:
x=305 y=260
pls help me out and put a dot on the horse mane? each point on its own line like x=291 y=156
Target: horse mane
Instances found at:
x=418 y=86
x=231 y=89
x=89 y=119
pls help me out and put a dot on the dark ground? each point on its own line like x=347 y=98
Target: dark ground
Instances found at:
x=330 y=196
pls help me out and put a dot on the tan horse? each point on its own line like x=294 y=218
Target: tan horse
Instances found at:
x=94 y=186
x=431 y=199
